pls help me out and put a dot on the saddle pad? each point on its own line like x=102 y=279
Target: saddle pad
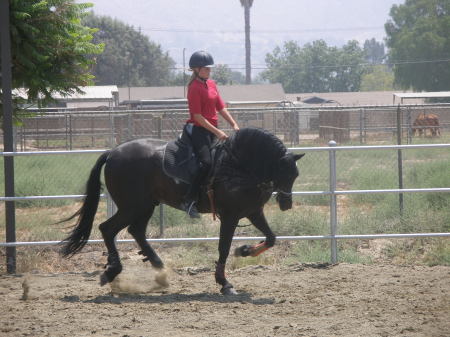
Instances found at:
x=179 y=161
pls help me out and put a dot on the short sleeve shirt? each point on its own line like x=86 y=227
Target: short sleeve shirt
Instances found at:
x=204 y=99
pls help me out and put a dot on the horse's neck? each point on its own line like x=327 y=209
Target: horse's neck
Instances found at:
x=260 y=170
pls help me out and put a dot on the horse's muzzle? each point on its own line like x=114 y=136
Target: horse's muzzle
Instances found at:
x=284 y=201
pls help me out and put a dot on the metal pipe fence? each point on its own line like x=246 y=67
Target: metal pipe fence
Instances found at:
x=332 y=193
x=293 y=124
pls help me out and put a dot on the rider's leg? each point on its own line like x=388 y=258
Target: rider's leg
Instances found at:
x=201 y=141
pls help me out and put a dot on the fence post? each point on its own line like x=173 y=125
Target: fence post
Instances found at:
x=362 y=126
x=112 y=135
x=333 y=203
x=408 y=116
x=70 y=132
x=161 y=220
x=400 y=158
x=8 y=137
x=129 y=127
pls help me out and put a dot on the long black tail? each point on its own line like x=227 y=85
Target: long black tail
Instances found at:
x=80 y=234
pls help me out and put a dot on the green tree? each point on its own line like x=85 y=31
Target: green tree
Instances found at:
x=316 y=67
x=130 y=58
x=179 y=79
x=50 y=48
x=419 y=41
x=237 y=77
x=374 y=51
x=223 y=74
x=350 y=69
x=380 y=78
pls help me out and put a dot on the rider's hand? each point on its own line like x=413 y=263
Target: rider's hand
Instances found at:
x=235 y=127
x=221 y=135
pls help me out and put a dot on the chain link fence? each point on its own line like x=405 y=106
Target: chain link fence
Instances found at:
x=294 y=125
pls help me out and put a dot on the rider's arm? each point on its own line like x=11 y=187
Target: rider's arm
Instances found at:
x=225 y=114
x=208 y=126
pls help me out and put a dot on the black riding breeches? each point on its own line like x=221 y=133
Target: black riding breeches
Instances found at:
x=202 y=141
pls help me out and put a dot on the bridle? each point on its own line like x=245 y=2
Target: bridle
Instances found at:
x=287 y=194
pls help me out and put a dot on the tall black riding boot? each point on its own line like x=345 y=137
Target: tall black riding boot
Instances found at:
x=191 y=197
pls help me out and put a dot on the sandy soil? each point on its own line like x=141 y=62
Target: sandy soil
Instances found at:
x=297 y=300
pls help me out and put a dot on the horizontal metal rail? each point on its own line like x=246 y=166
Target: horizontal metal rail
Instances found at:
x=71 y=111
x=243 y=238
x=47 y=197
x=394 y=190
x=37 y=153
x=369 y=147
x=300 y=193
x=301 y=149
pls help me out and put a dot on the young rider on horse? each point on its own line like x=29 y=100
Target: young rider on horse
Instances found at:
x=204 y=102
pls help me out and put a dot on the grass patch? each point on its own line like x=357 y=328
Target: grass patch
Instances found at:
x=50 y=175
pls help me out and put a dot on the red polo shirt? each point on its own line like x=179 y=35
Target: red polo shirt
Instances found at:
x=204 y=99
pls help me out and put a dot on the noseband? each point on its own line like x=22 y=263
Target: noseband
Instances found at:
x=286 y=194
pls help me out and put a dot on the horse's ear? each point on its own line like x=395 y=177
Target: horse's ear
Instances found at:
x=298 y=156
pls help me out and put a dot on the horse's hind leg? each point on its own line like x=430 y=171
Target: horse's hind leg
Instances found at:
x=137 y=229
x=110 y=228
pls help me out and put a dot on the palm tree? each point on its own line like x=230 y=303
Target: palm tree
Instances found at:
x=248 y=67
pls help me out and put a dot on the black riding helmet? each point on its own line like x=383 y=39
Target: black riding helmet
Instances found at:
x=201 y=59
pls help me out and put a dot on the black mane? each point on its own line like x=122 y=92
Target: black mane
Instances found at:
x=256 y=151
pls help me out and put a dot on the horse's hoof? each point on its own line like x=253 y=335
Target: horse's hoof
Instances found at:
x=227 y=291
x=158 y=264
x=242 y=251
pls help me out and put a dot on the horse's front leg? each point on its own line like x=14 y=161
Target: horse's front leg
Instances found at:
x=227 y=228
x=259 y=221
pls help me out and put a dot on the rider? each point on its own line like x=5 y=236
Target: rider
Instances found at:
x=204 y=102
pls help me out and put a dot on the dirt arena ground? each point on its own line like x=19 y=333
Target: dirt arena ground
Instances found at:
x=297 y=300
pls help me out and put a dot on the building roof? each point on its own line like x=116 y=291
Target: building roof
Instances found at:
x=91 y=93
x=317 y=100
x=103 y=92
x=251 y=92
x=360 y=98
x=415 y=95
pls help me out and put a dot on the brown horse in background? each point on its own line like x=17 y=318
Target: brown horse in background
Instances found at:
x=425 y=122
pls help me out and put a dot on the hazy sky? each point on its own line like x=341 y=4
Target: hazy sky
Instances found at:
x=218 y=25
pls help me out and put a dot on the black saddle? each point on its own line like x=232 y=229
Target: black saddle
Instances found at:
x=179 y=160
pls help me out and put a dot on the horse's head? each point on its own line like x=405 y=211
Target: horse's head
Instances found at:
x=284 y=176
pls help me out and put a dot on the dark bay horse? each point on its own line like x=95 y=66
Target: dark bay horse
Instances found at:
x=253 y=165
